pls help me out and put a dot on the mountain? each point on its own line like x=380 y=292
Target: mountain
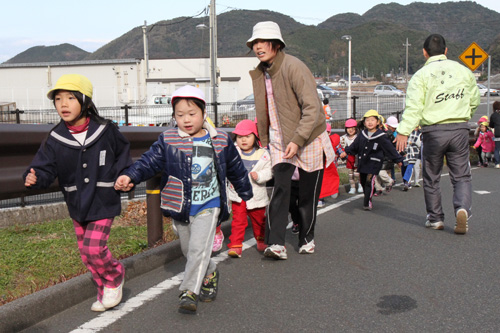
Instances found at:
x=377 y=37
x=63 y=52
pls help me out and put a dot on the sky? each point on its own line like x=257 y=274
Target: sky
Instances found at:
x=91 y=24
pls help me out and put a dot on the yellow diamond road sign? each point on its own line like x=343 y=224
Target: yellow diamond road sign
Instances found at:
x=473 y=56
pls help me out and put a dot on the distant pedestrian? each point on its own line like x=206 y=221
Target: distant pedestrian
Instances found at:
x=371 y=145
x=495 y=125
x=476 y=136
x=486 y=142
x=194 y=160
x=351 y=132
x=86 y=153
x=292 y=122
x=441 y=98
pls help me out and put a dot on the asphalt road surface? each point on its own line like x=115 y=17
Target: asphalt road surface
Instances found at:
x=378 y=271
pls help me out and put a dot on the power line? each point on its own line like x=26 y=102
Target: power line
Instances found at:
x=204 y=11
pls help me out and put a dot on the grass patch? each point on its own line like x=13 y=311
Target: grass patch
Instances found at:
x=37 y=256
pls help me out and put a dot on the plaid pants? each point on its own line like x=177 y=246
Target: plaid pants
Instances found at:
x=92 y=239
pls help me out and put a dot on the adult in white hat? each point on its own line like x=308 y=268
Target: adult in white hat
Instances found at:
x=292 y=122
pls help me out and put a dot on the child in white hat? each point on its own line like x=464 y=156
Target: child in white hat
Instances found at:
x=194 y=159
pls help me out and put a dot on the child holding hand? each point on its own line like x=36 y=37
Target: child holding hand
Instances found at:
x=486 y=141
x=195 y=159
x=86 y=153
x=371 y=145
x=257 y=161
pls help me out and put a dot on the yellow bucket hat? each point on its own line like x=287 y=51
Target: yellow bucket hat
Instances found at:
x=485 y=123
x=372 y=113
x=72 y=82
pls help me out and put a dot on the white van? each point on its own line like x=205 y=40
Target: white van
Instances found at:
x=160 y=99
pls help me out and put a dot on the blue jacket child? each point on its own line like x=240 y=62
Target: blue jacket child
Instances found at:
x=194 y=160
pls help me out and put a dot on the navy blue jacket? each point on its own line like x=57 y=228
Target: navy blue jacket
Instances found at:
x=371 y=151
x=171 y=155
x=86 y=173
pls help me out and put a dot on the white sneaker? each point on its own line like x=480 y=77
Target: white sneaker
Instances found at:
x=112 y=296
x=352 y=190
x=97 y=307
x=439 y=225
x=360 y=188
x=461 y=226
x=497 y=166
x=334 y=196
x=307 y=248
x=276 y=251
x=321 y=204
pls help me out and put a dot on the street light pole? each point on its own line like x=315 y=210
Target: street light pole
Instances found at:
x=146 y=54
x=349 y=111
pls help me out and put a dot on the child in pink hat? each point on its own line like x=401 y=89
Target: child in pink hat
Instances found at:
x=257 y=161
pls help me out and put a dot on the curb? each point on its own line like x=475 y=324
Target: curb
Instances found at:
x=31 y=309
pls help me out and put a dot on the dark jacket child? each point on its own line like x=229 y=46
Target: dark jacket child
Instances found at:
x=86 y=153
x=194 y=160
x=371 y=145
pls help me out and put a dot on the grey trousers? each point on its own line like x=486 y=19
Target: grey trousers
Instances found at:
x=196 y=239
x=452 y=143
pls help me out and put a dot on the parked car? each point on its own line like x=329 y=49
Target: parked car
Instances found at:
x=387 y=90
x=328 y=92
x=160 y=99
x=245 y=104
x=483 y=90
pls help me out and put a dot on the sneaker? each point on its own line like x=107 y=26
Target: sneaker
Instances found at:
x=461 y=226
x=218 y=240
x=188 y=302
x=97 y=307
x=112 y=296
x=295 y=228
x=479 y=164
x=208 y=291
x=321 y=204
x=406 y=186
x=369 y=207
x=378 y=193
x=352 y=190
x=497 y=166
x=334 y=196
x=261 y=246
x=388 y=188
x=439 y=225
x=276 y=251
x=307 y=248
x=235 y=252
x=417 y=184
x=360 y=188
x=485 y=165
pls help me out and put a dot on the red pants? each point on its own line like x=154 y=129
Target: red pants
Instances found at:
x=240 y=223
x=92 y=238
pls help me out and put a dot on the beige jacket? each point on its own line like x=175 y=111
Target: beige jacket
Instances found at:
x=300 y=113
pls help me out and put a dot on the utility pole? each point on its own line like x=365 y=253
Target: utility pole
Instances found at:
x=146 y=54
x=406 y=72
x=213 y=57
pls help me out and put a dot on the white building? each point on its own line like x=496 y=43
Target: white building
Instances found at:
x=124 y=81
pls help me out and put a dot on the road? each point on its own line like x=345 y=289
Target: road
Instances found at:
x=378 y=271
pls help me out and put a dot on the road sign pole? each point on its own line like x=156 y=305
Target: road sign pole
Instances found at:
x=488 y=100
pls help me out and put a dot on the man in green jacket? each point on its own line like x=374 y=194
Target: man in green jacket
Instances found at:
x=441 y=98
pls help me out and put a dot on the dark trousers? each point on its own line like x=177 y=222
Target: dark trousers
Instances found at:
x=368 y=182
x=454 y=145
x=277 y=216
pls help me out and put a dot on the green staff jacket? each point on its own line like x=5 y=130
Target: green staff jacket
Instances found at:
x=441 y=92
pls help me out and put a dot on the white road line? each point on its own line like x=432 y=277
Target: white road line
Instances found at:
x=109 y=317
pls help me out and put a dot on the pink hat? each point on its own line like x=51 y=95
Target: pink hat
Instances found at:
x=188 y=92
x=246 y=127
x=351 y=123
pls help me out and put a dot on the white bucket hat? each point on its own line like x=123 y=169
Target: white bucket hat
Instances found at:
x=392 y=121
x=188 y=92
x=266 y=30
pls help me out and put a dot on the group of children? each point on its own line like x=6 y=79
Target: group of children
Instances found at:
x=205 y=176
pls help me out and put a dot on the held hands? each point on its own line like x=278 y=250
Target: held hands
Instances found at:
x=30 y=178
x=343 y=155
x=123 y=183
x=254 y=175
x=291 y=150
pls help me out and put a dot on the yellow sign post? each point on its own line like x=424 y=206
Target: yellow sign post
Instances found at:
x=473 y=56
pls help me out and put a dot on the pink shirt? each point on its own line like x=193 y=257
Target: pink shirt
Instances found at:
x=486 y=141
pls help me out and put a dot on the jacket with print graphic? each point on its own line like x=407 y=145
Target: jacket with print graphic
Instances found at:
x=171 y=155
